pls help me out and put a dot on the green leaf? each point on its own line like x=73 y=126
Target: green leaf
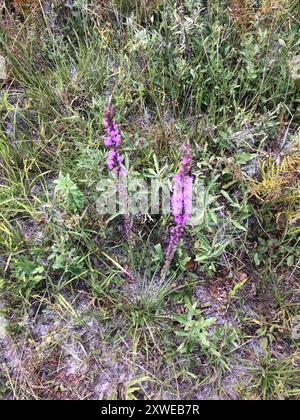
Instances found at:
x=291 y=261
x=243 y=157
x=264 y=344
x=237 y=287
x=72 y=197
x=256 y=259
x=237 y=225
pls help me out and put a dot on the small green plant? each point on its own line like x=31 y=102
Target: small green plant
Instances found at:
x=28 y=273
x=195 y=330
x=68 y=191
x=264 y=247
x=197 y=333
x=128 y=391
x=65 y=257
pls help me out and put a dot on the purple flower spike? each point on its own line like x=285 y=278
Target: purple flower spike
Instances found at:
x=181 y=204
x=113 y=140
x=115 y=159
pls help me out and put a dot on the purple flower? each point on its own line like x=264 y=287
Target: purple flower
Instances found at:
x=108 y=142
x=112 y=140
x=183 y=189
x=115 y=159
x=181 y=204
x=111 y=162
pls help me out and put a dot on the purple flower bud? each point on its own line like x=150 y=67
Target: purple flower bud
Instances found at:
x=117 y=140
x=108 y=142
x=120 y=159
x=111 y=162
